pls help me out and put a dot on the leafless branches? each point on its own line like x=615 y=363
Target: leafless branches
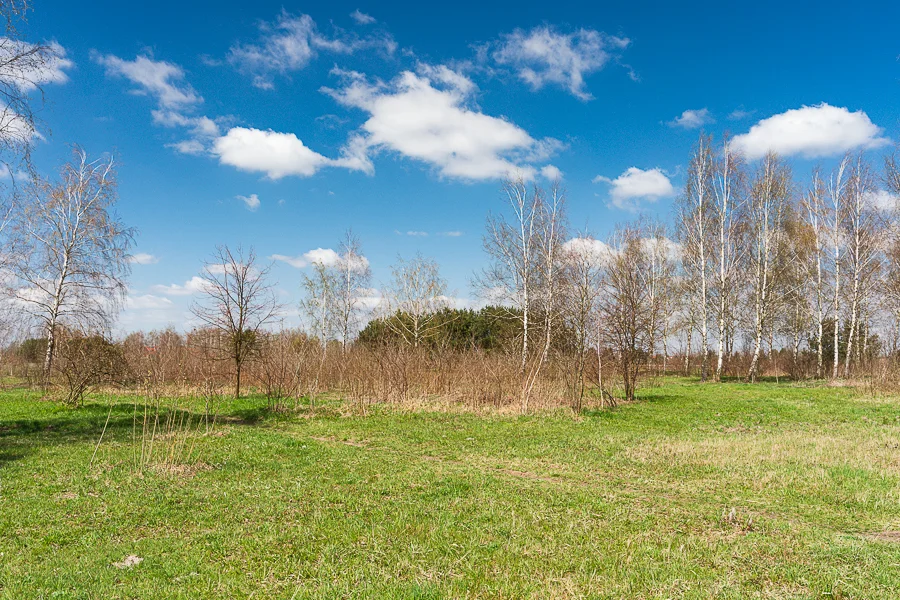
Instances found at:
x=237 y=302
x=68 y=251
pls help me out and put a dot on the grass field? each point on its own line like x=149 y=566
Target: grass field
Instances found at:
x=697 y=491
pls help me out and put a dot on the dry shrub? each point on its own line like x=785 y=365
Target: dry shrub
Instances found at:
x=84 y=362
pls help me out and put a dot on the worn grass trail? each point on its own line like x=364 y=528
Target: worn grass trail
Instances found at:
x=698 y=491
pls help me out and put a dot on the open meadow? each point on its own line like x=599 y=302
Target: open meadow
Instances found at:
x=694 y=491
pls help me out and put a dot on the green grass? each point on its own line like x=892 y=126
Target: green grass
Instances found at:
x=630 y=503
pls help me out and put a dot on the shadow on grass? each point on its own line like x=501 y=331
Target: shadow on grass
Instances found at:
x=121 y=420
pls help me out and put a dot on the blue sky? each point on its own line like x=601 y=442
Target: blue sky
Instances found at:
x=282 y=125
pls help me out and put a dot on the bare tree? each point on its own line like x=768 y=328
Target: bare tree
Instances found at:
x=24 y=68
x=626 y=308
x=355 y=279
x=415 y=295
x=837 y=184
x=892 y=172
x=695 y=228
x=68 y=256
x=729 y=216
x=770 y=194
x=322 y=306
x=237 y=302
x=513 y=246
x=814 y=213
x=321 y=303
x=660 y=261
x=552 y=231
x=583 y=265
x=863 y=231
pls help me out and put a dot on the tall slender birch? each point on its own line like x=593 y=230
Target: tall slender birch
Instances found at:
x=728 y=213
x=862 y=231
x=767 y=205
x=813 y=212
x=836 y=188
x=695 y=227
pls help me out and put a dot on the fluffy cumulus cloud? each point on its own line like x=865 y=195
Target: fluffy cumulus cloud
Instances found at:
x=142 y=258
x=291 y=42
x=545 y=56
x=323 y=256
x=811 y=132
x=427 y=116
x=28 y=66
x=588 y=249
x=637 y=184
x=692 y=119
x=551 y=173
x=280 y=154
x=883 y=200
x=176 y=100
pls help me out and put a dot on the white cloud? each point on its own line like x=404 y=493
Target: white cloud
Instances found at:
x=324 y=256
x=147 y=301
x=145 y=312
x=275 y=154
x=251 y=201
x=692 y=119
x=165 y=82
x=883 y=200
x=417 y=233
x=290 y=43
x=451 y=233
x=162 y=80
x=740 y=113
x=16 y=129
x=201 y=127
x=812 y=132
x=28 y=66
x=191 y=286
x=361 y=17
x=192 y=147
x=545 y=56
x=142 y=258
x=426 y=117
x=588 y=248
x=636 y=184
x=551 y=172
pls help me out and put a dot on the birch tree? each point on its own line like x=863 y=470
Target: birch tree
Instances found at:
x=660 y=263
x=68 y=257
x=728 y=215
x=836 y=188
x=768 y=200
x=552 y=230
x=513 y=245
x=862 y=224
x=813 y=212
x=695 y=228
x=416 y=294
x=323 y=306
x=354 y=280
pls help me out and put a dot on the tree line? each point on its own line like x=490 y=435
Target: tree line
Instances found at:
x=755 y=266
